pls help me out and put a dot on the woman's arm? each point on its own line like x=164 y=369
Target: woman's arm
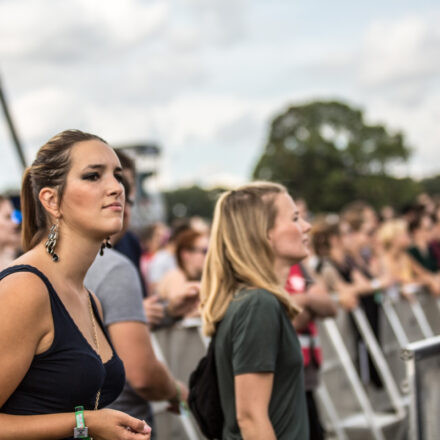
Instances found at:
x=425 y=277
x=145 y=374
x=105 y=424
x=252 y=396
x=26 y=329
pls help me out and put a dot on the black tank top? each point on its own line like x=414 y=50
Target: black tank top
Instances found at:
x=70 y=372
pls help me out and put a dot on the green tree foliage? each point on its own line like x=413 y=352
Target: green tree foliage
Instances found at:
x=191 y=201
x=326 y=153
x=431 y=185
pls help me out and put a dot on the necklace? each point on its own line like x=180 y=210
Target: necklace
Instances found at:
x=95 y=337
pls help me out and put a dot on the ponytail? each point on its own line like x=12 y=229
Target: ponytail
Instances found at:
x=34 y=223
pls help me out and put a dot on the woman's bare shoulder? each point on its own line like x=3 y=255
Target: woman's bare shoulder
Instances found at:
x=23 y=290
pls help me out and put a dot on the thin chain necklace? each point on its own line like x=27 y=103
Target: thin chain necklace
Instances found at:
x=95 y=337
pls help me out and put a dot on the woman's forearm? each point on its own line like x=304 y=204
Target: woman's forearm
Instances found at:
x=38 y=427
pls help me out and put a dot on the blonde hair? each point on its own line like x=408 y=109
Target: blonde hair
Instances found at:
x=240 y=255
x=389 y=231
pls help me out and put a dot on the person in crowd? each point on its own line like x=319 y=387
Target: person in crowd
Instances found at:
x=72 y=200
x=427 y=202
x=113 y=278
x=343 y=284
x=312 y=296
x=8 y=233
x=420 y=229
x=165 y=259
x=128 y=243
x=153 y=237
x=257 y=235
x=387 y=213
x=435 y=242
x=191 y=249
x=395 y=261
x=362 y=267
x=159 y=312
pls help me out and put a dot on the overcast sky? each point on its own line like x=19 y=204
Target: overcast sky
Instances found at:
x=203 y=78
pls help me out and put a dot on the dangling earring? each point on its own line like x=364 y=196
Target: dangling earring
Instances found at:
x=105 y=244
x=52 y=242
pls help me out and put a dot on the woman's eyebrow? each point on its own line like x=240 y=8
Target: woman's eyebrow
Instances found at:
x=99 y=166
x=96 y=166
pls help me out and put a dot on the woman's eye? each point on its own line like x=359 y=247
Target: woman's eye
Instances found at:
x=118 y=177
x=91 y=176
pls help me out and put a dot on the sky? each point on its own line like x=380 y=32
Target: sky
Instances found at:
x=204 y=78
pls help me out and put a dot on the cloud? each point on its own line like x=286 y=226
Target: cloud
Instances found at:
x=81 y=31
x=400 y=52
x=204 y=78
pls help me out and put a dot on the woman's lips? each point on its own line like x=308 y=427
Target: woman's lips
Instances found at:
x=114 y=206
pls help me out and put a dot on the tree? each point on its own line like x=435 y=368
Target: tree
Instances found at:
x=326 y=153
x=191 y=201
x=431 y=185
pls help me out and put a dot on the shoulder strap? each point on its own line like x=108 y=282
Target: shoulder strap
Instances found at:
x=27 y=268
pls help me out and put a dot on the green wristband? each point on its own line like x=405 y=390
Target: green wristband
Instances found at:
x=81 y=430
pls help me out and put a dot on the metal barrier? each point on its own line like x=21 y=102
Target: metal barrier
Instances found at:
x=350 y=410
x=423 y=371
x=180 y=348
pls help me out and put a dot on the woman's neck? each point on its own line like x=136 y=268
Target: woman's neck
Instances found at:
x=76 y=254
x=337 y=255
x=421 y=244
x=282 y=269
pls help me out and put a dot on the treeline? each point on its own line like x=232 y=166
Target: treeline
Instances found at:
x=326 y=153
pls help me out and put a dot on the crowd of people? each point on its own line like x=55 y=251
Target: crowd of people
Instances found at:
x=83 y=292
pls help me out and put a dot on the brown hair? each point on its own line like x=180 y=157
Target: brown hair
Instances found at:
x=321 y=233
x=185 y=241
x=49 y=169
x=127 y=163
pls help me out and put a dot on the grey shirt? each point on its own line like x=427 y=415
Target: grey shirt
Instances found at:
x=115 y=281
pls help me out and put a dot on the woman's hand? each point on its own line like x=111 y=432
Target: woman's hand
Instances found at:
x=181 y=397
x=109 y=424
x=185 y=300
x=347 y=298
x=154 y=309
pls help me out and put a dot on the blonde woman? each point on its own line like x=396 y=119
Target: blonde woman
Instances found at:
x=394 y=239
x=257 y=235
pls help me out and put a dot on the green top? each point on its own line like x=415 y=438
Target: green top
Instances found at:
x=256 y=336
x=427 y=260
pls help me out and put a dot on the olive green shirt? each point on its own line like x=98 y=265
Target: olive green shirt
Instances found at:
x=256 y=336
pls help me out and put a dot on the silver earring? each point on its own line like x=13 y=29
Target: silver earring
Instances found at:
x=105 y=244
x=52 y=242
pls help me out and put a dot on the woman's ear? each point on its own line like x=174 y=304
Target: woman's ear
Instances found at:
x=269 y=236
x=49 y=199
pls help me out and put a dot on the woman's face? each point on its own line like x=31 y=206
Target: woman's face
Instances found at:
x=194 y=258
x=8 y=229
x=93 y=198
x=402 y=240
x=425 y=230
x=289 y=235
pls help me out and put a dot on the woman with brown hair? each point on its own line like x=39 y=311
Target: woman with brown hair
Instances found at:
x=9 y=233
x=257 y=235
x=58 y=365
x=180 y=286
